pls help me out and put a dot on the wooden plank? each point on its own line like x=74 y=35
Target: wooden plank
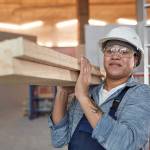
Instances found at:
x=22 y=71
x=27 y=50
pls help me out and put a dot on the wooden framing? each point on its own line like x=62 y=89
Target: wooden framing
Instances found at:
x=22 y=71
x=22 y=61
x=24 y=49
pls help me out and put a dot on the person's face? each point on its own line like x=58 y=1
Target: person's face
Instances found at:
x=119 y=60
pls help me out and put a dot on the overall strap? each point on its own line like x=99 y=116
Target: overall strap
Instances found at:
x=116 y=102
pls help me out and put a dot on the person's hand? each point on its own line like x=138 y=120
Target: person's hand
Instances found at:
x=65 y=89
x=84 y=79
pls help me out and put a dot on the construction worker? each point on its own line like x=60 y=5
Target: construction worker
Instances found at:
x=114 y=115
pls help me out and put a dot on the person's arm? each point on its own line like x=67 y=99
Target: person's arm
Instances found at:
x=58 y=121
x=92 y=113
x=60 y=105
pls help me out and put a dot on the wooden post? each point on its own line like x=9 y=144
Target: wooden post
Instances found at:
x=82 y=16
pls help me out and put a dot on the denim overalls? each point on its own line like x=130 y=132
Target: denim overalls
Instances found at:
x=82 y=139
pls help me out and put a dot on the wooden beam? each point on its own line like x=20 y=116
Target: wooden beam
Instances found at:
x=22 y=71
x=27 y=50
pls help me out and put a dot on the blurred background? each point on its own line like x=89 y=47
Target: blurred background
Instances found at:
x=72 y=27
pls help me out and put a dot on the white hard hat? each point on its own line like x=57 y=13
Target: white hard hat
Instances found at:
x=124 y=34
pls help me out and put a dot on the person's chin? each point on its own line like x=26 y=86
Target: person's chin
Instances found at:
x=115 y=74
x=115 y=70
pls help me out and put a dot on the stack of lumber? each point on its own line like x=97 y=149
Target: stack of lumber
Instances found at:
x=22 y=61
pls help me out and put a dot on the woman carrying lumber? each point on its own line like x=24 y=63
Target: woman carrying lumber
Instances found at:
x=114 y=115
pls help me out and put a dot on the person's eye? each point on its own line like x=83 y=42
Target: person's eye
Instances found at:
x=124 y=51
x=109 y=51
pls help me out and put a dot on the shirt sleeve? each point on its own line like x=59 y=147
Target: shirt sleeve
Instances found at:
x=131 y=130
x=59 y=132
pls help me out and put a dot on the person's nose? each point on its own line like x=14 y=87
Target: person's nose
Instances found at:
x=115 y=55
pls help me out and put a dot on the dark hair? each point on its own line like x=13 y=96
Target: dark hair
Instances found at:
x=138 y=54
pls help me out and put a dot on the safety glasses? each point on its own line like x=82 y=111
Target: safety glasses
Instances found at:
x=118 y=50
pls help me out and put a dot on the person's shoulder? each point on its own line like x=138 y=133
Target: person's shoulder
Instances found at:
x=137 y=85
x=141 y=88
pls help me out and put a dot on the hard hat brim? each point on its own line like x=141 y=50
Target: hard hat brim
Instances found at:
x=105 y=39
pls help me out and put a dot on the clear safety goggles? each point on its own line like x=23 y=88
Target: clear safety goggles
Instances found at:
x=118 y=50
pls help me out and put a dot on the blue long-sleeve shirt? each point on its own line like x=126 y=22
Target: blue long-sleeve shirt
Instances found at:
x=129 y=132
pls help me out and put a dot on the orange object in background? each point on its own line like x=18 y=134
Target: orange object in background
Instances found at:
x=45 y=91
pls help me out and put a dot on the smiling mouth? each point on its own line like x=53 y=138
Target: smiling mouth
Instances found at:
x=115 y=64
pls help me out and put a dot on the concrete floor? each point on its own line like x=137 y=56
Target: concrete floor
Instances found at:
x=18 y=133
